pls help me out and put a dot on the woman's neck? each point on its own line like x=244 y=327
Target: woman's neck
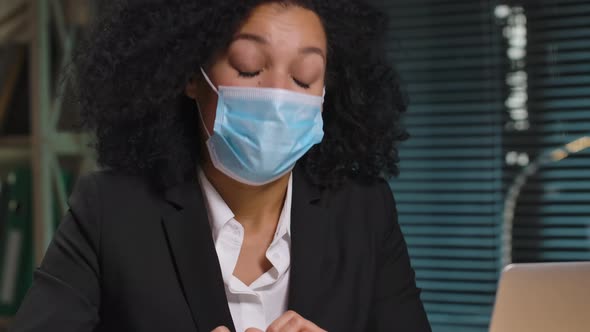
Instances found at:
x=255 y=207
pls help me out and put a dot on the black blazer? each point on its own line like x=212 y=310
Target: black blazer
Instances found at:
x=126 y=258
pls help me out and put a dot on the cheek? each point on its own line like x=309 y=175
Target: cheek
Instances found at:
x=222 y=73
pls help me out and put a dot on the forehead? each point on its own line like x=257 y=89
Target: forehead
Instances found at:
x=287 y=26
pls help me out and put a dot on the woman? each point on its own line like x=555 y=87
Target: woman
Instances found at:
x=245 y=145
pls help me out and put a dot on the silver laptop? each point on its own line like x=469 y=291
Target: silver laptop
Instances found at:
x=545 y=297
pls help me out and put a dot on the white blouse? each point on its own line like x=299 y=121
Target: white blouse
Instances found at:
x=263 y=301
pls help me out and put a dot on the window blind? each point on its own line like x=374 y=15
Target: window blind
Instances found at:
x=552 y=216
x=449 y=194
x=494 y=86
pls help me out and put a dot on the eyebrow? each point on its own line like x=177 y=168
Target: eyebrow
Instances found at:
x=261 y=40
x=250 y=36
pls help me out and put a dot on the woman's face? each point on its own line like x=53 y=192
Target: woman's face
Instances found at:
x=276 y=47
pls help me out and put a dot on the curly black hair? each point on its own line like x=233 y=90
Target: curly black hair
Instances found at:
x=131 y=70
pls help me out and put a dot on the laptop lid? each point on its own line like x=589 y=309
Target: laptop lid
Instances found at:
x=543 y=297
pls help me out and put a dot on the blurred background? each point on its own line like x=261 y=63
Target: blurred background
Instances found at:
x=497 y=169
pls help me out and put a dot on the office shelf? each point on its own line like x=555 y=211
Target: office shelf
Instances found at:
x=50 y=28
x=15 y=150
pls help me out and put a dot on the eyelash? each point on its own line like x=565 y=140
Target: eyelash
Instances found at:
x=301 y=84
x=254 y=74
x=247 y=74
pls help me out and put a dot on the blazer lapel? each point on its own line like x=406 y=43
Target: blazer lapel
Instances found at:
x=309 y=222
x=193 y=251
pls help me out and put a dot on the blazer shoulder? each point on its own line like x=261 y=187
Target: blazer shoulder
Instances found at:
x=361 y=191
x=109 y=179
x=367 y=204
x=111 y=188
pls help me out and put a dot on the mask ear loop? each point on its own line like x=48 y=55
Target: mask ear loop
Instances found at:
x=202 y=120
x=209 y=81
x=199 y=106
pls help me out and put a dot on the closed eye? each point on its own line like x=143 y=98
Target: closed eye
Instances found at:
x=249 y=74
x=301 y=84
x=246 y=74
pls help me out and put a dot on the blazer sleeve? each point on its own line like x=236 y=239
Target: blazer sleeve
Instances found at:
x=396 y=304
x=65 y=294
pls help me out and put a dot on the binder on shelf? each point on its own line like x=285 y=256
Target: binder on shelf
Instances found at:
x=16 y=242
x=16 y=253
x=3 y=206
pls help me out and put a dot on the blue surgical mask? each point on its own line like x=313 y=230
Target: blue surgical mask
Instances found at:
x=260 y=133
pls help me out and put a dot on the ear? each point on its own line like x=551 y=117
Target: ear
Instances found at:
x=191 y=89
